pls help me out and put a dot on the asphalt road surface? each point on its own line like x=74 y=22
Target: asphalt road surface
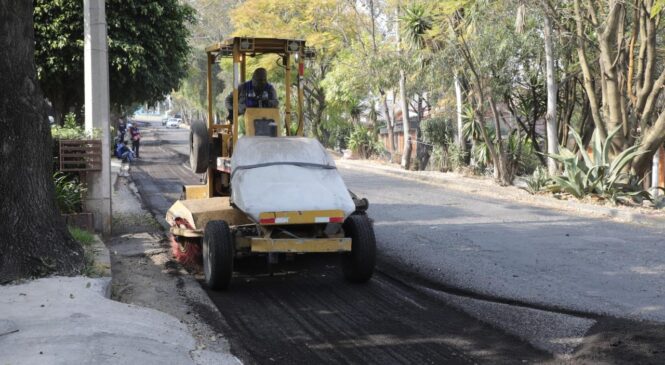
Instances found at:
x=447 y=260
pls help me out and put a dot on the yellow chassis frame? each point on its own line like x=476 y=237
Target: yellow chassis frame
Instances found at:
x=278 y=245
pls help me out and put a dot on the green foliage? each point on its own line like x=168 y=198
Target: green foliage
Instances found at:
x=538 y=180
x=522 y=154
x=456 y=156
x=449 y=159
x=470 y=126
x=147 y=49
x=363 y=141
x=84 y=237
x=416 y=22
x=339 y=135
x=446 y=154
x=595 y=174
x=657 y=7
x=71 y=129
x=438 y=131
x=68 y=193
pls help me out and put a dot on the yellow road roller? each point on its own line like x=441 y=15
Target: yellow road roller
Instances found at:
x=270 y=190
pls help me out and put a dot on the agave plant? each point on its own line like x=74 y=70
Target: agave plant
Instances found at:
x=595 y=173
x=537 y=181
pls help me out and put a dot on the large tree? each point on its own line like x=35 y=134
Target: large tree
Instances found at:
x=148 y=50
x=33 y=237
x=624 y=86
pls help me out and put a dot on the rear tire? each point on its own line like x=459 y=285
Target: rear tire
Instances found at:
x=198 y=147
x=358 y=265
x=217 y=255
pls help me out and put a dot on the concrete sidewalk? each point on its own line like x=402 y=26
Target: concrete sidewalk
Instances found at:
x=486 y=187
x=64 y=320
x=72 y=320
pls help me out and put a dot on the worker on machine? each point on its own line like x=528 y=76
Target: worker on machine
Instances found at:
x=255 y=93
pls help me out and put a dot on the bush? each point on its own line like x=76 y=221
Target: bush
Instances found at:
x=438 y=131
x=595 y=174
x=447 y=160
x=446 y=154
x=522 y=154
x=84 y=237
x=71 y=130
x=538 y=180
x=362 y=141
x=69 y=193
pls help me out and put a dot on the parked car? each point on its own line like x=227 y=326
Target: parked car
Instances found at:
x=173 y=123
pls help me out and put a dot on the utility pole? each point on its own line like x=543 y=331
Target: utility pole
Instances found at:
x=96 y=75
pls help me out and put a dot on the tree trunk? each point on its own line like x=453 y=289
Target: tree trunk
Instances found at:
x=34 y=241
x=458 y=99
x=423 y=151
x=389 y=123
x=406 y=154
x=610 y=61
x=503 y=173
x=654 y=137
x=552 y=128
x=586 y=71
x=318 y=116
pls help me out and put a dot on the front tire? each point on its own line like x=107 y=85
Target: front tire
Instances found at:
x=217 y=255
x=358 y=265
x=198 y=147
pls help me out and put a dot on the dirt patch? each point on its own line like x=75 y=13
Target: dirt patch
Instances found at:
x=617 y=341
x=145 y=274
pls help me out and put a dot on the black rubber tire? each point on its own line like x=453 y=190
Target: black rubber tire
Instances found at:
x=358 y=265
x=217 y=255
x=198 y=147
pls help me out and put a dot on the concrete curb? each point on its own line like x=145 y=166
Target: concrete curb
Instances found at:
x=102 y=263
x=514 y=194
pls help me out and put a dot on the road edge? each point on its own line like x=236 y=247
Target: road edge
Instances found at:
x=512 y=194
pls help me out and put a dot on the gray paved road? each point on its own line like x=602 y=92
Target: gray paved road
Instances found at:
x=305 y=313
x=516 y=252
x=539 y=275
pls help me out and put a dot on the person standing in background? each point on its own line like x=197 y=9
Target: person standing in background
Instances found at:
x=122 y=129
x=136 y=138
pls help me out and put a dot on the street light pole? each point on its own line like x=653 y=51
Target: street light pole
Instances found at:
x=96 y=74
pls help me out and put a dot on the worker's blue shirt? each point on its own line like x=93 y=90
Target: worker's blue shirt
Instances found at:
x=253 y=99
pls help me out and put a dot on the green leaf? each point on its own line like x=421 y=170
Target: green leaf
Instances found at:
x=657 y=7
x=583 y=152
x=608 y=144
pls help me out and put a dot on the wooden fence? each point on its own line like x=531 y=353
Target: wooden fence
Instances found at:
x=80 y=155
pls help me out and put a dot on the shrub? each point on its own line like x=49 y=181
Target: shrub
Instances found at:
x=446 y=154
x=438 y=131
x=595 y=174
x=363 y=141
x=68 y=193
x=538 y=180
x=82 y=236
x=521 y=154
x=71 y=130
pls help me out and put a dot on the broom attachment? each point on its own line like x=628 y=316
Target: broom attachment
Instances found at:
x=187 y=251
